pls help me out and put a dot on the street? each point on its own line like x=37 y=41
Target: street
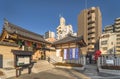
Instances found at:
x=58 y=73
x=55 y=73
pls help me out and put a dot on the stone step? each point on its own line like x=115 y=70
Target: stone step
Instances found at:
x=41 y=65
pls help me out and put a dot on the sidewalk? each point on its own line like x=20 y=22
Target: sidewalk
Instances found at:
x=92 y=72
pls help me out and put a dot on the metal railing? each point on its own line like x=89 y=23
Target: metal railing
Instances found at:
x=109 y=59
x=81 y=60
x=51 y=60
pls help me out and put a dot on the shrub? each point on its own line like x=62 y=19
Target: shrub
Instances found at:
x=111 y=67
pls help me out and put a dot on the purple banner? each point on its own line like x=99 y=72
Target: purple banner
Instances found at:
x=70 y=53
x=76 y=53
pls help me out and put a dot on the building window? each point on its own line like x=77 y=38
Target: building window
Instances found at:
x=117 y=46
x=104 y=42
x=104 y=48
x=111 y=43
x=118 y=35
x=118 y=42
x=118 y=38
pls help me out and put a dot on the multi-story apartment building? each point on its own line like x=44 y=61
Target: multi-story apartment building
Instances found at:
x=90 y=26
x=49 y=34
x=115 y=28
x=108 y=43
x=117 y=25
x=109 y=29
x=63 y=29
x=118 y=43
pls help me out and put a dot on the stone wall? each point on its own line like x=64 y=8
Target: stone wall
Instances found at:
x=7 y=56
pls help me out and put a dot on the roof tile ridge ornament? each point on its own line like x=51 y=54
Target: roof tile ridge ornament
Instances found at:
x=5 y=22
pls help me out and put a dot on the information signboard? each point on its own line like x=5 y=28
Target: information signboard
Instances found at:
x=110 y=62
x=23 y=60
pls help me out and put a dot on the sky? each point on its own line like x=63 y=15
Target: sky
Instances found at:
x=40 y=16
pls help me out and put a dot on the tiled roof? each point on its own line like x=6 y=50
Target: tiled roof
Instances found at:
x=8 y=44
x=11 y=28
x=68 y=39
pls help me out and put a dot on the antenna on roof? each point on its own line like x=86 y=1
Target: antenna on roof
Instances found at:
x=85 y=4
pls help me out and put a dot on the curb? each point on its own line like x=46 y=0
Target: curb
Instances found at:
x=114 y=72
x=67 y=67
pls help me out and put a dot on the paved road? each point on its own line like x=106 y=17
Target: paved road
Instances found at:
x=55 y=73
x=89 y=73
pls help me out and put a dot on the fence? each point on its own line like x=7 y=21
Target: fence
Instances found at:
x=109 y=59
x=80 y=60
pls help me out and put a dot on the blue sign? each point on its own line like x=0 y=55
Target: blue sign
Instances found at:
x=76 y=53
x=70 y=53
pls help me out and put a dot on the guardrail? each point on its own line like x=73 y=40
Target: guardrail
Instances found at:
x=81 y=60
x=109 y=59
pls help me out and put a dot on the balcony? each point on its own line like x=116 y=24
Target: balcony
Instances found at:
x=91 y=30
x=91 y=25
x=91 y=36
x=92 y=15
x=91 y=50
x=91 y=41
x=108 y=28
x=117 y=30
x=91 y=46
x=118 y=21
x=117 y=26
x=117 y=48
x=91 y=20
x=117 y=44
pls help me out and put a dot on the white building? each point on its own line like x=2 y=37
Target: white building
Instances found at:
x=107 y=43
x=63 y=29
x=49 y=34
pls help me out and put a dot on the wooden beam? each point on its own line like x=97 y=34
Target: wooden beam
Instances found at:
x=19 y=37
x=4 y=34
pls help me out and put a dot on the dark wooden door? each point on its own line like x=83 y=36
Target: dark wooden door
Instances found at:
x=1 y=61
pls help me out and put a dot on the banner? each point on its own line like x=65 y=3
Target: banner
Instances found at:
x=28 y=43
x=76 y=53
x=65 y=53
x=73 y=53
x=70 y=53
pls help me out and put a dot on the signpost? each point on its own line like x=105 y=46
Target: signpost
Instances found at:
x=22 y=60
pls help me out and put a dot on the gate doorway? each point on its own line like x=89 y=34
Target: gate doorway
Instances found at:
x=43 y=55
x=1 y=61
x=90 y=59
